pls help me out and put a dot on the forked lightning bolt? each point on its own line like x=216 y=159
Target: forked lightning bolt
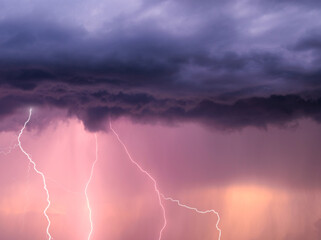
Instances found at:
x=149 y=176
x=38 y=172
x=9 y=149
x=198 y=211
x=160 y=195
x=86 y=189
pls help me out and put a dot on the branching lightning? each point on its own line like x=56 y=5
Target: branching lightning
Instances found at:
x=198 y=211
x=149 y=176
x=31 y=162
x=38 y=172
x=160 y=195
x=9 y=149
x=86 y=189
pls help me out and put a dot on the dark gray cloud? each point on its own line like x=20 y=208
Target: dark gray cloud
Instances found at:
x=227 y=64
x=94 y=106
x=310 y=42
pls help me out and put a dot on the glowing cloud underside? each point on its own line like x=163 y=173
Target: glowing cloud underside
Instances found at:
x=86 y=191
x=149 y=176
x=38 y=172
x=160 y=195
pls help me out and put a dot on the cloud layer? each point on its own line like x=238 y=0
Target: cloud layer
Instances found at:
x=229 y=65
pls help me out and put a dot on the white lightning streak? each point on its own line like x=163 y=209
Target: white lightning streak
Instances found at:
x=86 y=189
x=198 y=211
x=10 y=149
x=38 y=172
x=149 y=176
x=160 y=195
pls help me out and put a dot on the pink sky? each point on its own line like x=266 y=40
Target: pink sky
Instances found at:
x=265 y=183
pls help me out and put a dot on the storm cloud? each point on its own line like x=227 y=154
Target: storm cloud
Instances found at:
x=226 y=64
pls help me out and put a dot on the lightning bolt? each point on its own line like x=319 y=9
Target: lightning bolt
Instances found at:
x=38 y=172
x=160 y=195
x=198 y=211
x=149 y=176
x=9 y=149
x=86 y=189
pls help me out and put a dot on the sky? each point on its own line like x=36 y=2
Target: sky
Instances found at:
x=220 y=101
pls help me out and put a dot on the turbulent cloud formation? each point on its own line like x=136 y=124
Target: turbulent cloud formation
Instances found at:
x=227 y=64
